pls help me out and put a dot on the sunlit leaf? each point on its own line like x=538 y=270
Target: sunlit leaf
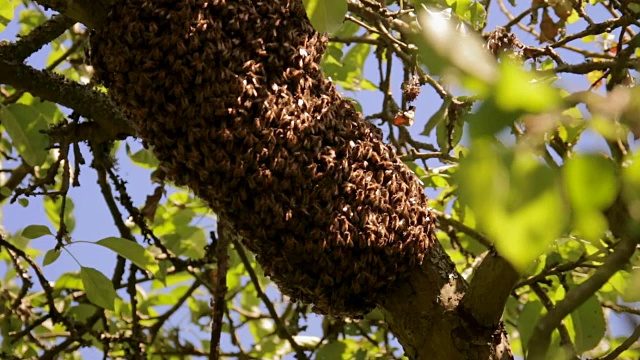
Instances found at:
x=326 y=15
x=590 y=182
x=516 y=199
x=30 y=19
x=514 y=82
x=6 y=13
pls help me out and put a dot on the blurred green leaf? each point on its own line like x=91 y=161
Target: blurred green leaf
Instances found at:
x=30 y=19
x=527 y=320
x=517 y=200
x=69 y=281
x=632 y=292
x=631 y=186
x=331 y=351
x=5 y=191
x=348 y=73
x=54 y=207
x=438 y=117
x=514 y=81
x=590 y=182
x=6 y=13
x=98 y=288
x=24 y=202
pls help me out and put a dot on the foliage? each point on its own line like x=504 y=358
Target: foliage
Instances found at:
x=525 y=138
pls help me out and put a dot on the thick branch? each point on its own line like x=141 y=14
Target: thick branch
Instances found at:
x=81 y=98
x=494 y=279
x=423 y=312
x=91 y=13
x=36 y=39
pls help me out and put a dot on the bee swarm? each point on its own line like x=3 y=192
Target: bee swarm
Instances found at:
x=231 y=97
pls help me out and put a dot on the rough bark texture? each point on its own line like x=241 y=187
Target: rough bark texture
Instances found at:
x=425 y=312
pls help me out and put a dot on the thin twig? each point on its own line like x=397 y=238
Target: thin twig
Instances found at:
x=282 y=329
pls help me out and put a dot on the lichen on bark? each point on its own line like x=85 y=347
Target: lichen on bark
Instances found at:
x=231 y=98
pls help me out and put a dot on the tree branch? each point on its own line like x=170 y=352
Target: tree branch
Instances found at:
x=494 y=279
x=56 y=88
x=91 y=13
x=541 y=337
x=625 y=345
x=36 y=39
x=218 y=302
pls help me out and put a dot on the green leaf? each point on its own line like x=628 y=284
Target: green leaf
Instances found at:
x=24 y=125
x=54 y=207
x=35 y=231
x=528 y=319
x=131 y=251
x=24 y=202
x=143 y=158
x=326 y=15
x=349 y=73
x=69 y=281
x=631 y=186
x=6 y=13
x=632 y=292
x=98 y=288
x=590 y=182
x=81 y=312
x=514 y=81
x=30 y=19
x=5 y=191
x=517 y=200
x=332 y=350
x=50 y=257
x=589 y=325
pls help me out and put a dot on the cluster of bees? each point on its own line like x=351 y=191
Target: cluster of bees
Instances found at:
x=230 y=97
